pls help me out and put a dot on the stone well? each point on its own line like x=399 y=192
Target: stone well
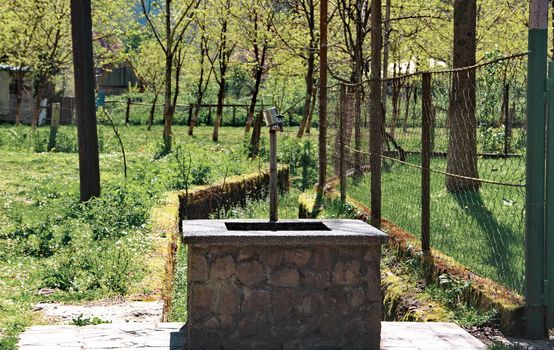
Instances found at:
x=300 y=284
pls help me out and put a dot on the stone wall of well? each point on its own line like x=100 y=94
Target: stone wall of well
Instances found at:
x=284 y=297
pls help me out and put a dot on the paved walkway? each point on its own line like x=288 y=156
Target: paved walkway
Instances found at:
x=395 y=336
x=427 y=336
x=133 y=335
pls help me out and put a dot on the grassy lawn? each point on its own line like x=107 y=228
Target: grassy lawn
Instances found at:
x=50 y=242
x=484 y=230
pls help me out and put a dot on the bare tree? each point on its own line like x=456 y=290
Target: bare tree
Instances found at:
x=307 y=10
x=256 y=24
x=355 y=15
x=221 y=63
x=462 y=144
x=203 y=77
x=169 y=27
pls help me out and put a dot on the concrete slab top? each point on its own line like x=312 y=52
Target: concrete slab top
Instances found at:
x=286 y=232
x=172 y=336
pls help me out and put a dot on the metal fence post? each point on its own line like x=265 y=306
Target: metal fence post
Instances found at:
x=535 y=173
x=128 y=111
x=549 y=235
x=426 y=164
x=342 y=154
x=507 y=121
x=54 y=124
x=376 y=116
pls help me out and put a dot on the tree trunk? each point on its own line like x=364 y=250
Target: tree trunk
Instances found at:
x=462 y=145
x=358 y=71
x=309 y=91
x=219 y=110
x=195 y=116
x=89 y=164
x=199 y=91
x=36 y=111
x=254 y=99
x=312 y=109
x=255 y=139
x=169 y=55
x=323 y=27
x=152 y=111
x=168 y=115
x=19 y=97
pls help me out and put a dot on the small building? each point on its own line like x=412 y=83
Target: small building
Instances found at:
x=116 y=81
x=8 y=94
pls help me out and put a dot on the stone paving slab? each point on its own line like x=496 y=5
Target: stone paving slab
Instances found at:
x=427 y=336
x=105 y=336
x=158 y=336
x=532 y=344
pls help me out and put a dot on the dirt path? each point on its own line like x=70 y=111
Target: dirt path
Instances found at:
x=115 y=311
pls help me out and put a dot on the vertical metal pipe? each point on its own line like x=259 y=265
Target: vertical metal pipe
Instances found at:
x=535 y=173
x=549 y=235
x=376 y=116
x=342 y=153
x=89 y=164
x=273 y=193
x=322 y=98
x=426 y=164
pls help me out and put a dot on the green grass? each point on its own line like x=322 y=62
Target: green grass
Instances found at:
x=47 y=239
x=483 y=230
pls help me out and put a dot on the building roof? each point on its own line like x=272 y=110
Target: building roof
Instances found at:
x=14 y=68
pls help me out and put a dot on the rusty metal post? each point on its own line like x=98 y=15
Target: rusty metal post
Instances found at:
x=507 y=121
x=376 y=117
x=273 y=192
x=342 y=155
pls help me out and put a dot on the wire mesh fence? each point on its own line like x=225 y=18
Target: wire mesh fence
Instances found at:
x=453 y=152
x=137 y=112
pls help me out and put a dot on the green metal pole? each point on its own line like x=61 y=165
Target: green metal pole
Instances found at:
x=549 y=292
x=535 y=175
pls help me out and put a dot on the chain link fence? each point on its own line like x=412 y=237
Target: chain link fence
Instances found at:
x=453 y=160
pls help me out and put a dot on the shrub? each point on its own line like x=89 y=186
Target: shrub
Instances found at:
x=201 y=174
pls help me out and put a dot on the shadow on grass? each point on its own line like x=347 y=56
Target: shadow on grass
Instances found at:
x=499 y=238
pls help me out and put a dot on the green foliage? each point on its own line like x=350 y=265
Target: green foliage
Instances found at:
x=80 y=321
x=300 y=154
x=493 y=139
x=178 y=312
x=452 y=292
